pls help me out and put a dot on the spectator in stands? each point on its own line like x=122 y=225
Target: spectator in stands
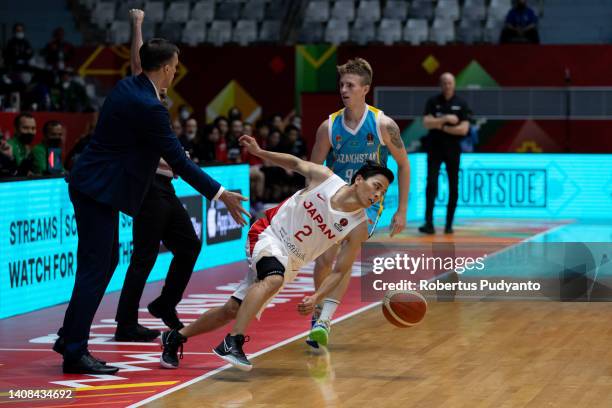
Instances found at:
x=296 y=121
x=234 y=151
x=36 y=95
x=293 y=144
x=521 y=25
x=447 y=118
x=278 y=122
x=207 y=147
x=25 y=131
x=262 y=130
x=18 y=50
x=275 y=177
x=47 y=155
x=177 y=127
x=188 y=138
x=8 y=168
x=234 y=113
x=273 y=143
x=77 y=149
x=58 y=52
x=222 y=124
x=70 y=95
x=184 y=113
x=247 y=128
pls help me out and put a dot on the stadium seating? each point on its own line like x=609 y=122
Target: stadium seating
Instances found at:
x=343 y=10
x=337 y=31
x=245 y=32
x=416 y=31
x=389 y=31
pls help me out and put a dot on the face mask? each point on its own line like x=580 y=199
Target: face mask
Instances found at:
x=65 y=85
x=26 y=138
x=185 y=114
x=26 y=77
x=190 y=135
x=20 y=35
x=54 y=142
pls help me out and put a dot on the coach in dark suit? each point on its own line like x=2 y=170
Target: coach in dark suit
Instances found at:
x=113 y=174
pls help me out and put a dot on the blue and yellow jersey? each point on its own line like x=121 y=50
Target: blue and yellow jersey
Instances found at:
x=351 y=148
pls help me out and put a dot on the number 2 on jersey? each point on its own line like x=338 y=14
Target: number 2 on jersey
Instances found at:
x=306 y=231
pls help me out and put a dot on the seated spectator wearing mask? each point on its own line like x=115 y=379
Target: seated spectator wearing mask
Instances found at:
x=25 y=131
x=521 y=25
x=53 y=140
x=70 y=95
x=18 y=50
x=58 y=52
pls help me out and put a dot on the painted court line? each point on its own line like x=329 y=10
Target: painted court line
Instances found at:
x=225 y=367
x=104 y=351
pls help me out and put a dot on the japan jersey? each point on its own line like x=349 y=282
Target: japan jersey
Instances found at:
x=305 y=224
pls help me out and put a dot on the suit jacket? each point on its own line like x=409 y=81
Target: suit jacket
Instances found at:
x=133 y=132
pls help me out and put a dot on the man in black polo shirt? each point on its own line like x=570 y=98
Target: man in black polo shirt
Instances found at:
x=446 y=117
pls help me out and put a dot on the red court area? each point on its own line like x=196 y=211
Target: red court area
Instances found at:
x=28 y=363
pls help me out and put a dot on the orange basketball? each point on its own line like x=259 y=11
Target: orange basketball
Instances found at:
x=404 y=308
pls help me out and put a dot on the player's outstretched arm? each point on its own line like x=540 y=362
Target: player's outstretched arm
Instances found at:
x=310 y=171
x=393 y=140
x=344 y=264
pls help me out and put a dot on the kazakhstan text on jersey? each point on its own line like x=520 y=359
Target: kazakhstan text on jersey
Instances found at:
x=351 y=148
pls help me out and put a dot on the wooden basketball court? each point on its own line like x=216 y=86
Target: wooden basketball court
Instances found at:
x=464 y=354
x=494 y=354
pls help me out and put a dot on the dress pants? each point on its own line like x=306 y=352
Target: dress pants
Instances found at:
x=162 y=217
x=97 y=258
x=449 y=154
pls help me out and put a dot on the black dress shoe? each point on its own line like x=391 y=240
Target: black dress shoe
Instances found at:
x=135 y=332
x=427 y=229
x=60 y=346
x=168 y=315
x=86 y=364
x=448 y=230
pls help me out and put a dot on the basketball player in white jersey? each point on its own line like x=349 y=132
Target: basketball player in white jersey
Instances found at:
x=356 y=133
x=327 y=211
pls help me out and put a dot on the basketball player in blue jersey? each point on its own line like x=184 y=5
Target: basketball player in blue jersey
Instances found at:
x=348 y=138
